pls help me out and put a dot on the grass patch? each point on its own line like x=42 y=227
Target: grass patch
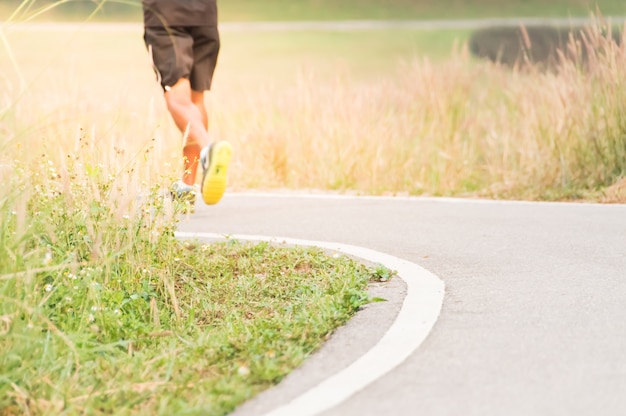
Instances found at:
x=103 y=311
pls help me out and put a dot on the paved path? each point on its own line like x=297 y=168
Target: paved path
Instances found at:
x=532 y=321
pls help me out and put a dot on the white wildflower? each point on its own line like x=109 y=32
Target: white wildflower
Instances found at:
x=47 y=258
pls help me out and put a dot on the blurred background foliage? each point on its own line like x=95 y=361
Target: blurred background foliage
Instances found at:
x=257 y=10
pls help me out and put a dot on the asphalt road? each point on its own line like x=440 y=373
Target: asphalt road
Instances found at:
x=533 y=319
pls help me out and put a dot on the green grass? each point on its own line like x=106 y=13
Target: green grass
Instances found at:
x=362 y=54
x=192 y=331
x=281 y=10
x=103 y=310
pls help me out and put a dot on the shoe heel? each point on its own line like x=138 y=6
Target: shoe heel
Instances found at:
x=214 y=182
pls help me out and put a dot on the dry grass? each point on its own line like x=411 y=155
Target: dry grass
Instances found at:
x=451 y=128
x=455 y=127
x=616 y=193
x=70 y=94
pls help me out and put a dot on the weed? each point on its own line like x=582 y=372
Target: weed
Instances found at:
x=380 y=273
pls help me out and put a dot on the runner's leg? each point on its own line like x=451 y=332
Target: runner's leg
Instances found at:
x=197 y=97
x=190 y=119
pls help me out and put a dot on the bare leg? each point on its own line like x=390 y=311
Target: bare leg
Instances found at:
x=191 y=118
x=197 y=97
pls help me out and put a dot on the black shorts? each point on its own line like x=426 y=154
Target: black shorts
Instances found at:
x=183 y=52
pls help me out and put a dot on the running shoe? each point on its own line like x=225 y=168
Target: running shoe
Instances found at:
x=214 y=160
x=182 y=192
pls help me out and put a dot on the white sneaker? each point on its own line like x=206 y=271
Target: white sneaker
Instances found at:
x=180 y=191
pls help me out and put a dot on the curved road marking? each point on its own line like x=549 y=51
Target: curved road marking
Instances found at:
x=417 y=316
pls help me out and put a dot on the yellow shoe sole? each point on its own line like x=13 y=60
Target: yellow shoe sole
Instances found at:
x=214 y=179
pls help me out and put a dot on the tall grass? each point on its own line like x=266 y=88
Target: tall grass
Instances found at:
x=103 y=310
x=458 y=127
x=455 y=127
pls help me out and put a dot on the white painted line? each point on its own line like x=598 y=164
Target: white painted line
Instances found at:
x=418 y=314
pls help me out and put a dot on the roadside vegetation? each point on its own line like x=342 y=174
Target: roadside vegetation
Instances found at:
x=104 y=311
x=101 y=314
x=456 y=127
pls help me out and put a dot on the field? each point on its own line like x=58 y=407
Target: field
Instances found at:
x=381 y=112
x=280 y=10
x=114 y=95
x=92 y=279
